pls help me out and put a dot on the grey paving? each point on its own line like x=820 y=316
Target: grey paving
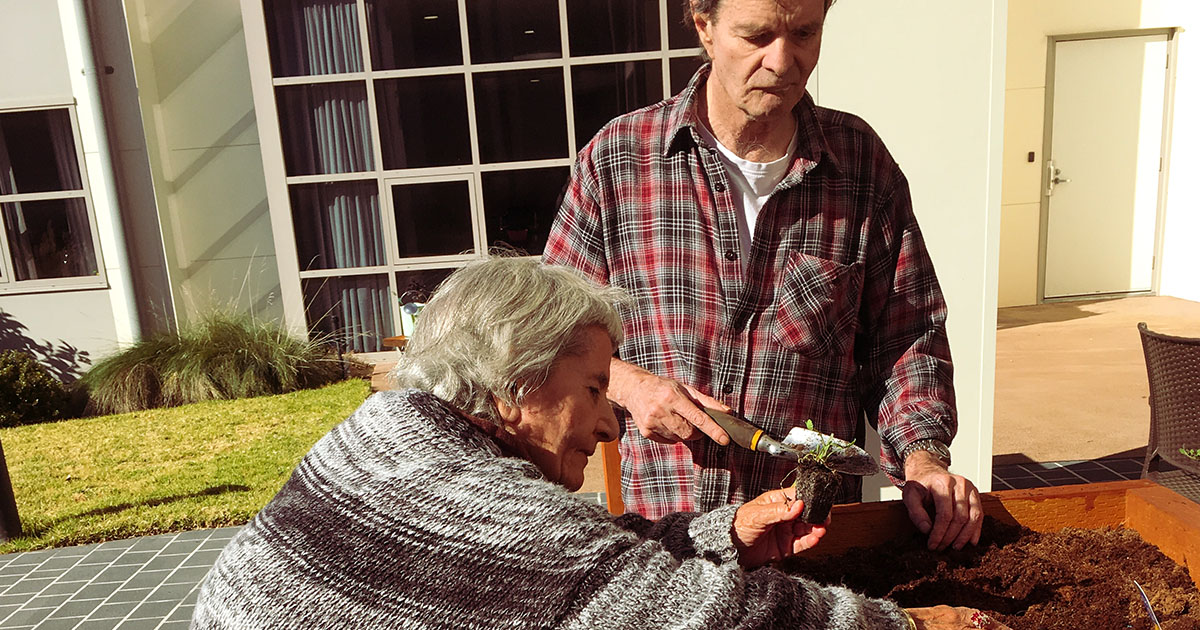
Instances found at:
x=151 y=583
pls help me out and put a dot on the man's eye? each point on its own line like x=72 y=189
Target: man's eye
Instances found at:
x=759 y=39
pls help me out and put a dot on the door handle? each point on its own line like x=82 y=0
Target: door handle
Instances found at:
x=1052 y=177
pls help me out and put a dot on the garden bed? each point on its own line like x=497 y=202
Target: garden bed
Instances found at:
x=1059 y=558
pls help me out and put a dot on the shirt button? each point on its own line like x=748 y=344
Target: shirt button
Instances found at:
x=728 y=389
x=719 y=187
x=730 y=255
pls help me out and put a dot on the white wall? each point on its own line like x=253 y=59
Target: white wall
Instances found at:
x=198 y=118
x=34 y=68
x=1030 y=23
x=928 y=75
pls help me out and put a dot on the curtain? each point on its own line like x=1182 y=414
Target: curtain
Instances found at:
x=8 y=183
x=338 y=225
x=64 y=149
x=317 y=37
x=326 y=128
x=354 y=309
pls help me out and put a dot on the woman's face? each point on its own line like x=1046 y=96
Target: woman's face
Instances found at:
x=561 y=422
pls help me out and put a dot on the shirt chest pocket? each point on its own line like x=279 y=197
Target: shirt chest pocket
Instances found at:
x=817 y=305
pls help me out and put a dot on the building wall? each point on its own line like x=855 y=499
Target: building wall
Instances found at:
x=929 y=77
x=202 y=138
x=65 y=329
x=1030 y=22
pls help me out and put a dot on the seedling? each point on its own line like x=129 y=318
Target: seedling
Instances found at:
x=1193 y=453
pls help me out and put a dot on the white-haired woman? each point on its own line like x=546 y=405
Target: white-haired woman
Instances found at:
x=446 y=504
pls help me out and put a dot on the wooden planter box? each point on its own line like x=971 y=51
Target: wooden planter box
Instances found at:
x=1162 y=517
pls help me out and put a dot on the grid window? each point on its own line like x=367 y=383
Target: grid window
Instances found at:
x=416 y=134
x=522 y=115
x=48 y=236
x=414 y=33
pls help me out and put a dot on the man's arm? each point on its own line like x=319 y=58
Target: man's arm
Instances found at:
x=906 y=376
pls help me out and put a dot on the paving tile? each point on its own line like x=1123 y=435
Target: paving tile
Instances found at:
x=58 y=563
x=175 y=625
x=27 y=616
x=999 y=484
x=51 y=601
x=204 y=558
x=111 y=610
x=94 y=591
x=77 y=608
x=102 y=556
x=1082 y=466
x=1122 y=465
x=1020 y=483
x=1059 y=474
x=135 y=557
x=182 y=612
x=164 y=562
x=147 y=579
x=1099 y=475
x=156 y=610
x=27 y=587
x=63 y=586
x=170 y=592
x=116 y=573
x=188 y=575
x=184 y=547
x=8 y=609
x=98 y=624
x=195 y=534
x=52 y=623
x=130 y=595
x=82 y=572
x=139 y=624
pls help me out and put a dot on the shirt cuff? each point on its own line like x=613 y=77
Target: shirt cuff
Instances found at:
x=712 y=533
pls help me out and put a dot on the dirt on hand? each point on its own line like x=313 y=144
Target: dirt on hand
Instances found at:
x=1075 y=579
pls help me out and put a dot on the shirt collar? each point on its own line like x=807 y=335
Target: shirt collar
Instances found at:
x=683 y=121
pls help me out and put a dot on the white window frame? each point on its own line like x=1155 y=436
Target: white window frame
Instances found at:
x=279 y=183
x=9 y=285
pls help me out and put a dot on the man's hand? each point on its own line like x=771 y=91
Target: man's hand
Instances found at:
x=957 y=511
x=664 y=410
x=766 y=529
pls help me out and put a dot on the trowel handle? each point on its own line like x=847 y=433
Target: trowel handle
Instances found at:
x=740 y=432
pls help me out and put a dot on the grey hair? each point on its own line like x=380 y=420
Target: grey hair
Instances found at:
x=498 y=326
x=709 y=8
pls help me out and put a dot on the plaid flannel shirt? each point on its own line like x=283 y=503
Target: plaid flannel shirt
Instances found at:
x=837 y=314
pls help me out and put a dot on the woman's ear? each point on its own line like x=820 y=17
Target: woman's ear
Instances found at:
x=510 y=414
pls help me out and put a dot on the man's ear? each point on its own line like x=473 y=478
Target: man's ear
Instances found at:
x=510 y=415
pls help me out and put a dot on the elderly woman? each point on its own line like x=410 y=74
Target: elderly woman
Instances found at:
x=446 y=504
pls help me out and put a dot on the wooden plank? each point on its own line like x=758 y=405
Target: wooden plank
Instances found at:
x=1168 y=521
x=610 y=458
x=1090 y=505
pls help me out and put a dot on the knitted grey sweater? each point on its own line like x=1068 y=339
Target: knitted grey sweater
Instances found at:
x=406 y=515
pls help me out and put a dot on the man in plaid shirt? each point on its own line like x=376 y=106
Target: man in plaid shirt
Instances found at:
x=777 y=270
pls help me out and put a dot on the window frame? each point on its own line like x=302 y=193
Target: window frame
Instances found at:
x=9 y=285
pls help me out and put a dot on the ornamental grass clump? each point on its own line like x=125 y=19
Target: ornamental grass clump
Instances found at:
x=220 y=357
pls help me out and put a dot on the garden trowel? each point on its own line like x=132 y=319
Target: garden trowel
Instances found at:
x=837 y=455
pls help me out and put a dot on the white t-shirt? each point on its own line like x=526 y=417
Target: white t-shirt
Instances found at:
x=754 y=181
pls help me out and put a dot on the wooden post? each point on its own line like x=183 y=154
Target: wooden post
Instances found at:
x=610 y=458
x=10 y=523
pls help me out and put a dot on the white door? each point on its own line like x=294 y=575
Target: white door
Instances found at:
x=1104 y=165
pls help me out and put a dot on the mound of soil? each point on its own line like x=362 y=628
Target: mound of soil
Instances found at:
x=1075 y=579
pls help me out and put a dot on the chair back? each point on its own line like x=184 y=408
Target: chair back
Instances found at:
x=1173 y=369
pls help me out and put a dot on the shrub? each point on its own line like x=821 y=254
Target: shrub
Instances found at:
x=221 y=357
x=28 y=393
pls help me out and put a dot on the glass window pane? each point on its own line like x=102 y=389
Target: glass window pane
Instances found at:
x=521 y=115
x=604 y=91
x=354 y=311
x=681 y=31
x=50 y=239
x=37 y=152
x=513 y=30
x=325 y=128
x=308 y=37
x=433 y=218
x=414 y=33
x=682 y=70
x=600 y=27
x=416 y=287
x=520 y=206
x=423 y=121
x=338 y=225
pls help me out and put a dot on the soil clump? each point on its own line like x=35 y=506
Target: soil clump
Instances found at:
x=1074 y=579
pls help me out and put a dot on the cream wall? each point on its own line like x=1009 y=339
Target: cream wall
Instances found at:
x=929 y=77
x=1030 y=22
x=198 y=118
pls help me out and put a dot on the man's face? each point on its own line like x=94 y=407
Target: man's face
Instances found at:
x=762 y=52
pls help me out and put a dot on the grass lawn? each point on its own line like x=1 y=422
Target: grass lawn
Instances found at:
x=209 y=464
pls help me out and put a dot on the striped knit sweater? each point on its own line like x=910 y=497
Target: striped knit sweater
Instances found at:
x=406 y=515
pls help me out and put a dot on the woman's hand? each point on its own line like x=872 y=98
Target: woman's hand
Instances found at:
x=765 y=529
x=950 y=618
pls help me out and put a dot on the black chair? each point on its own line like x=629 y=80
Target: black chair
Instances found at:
x=1173 y=368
